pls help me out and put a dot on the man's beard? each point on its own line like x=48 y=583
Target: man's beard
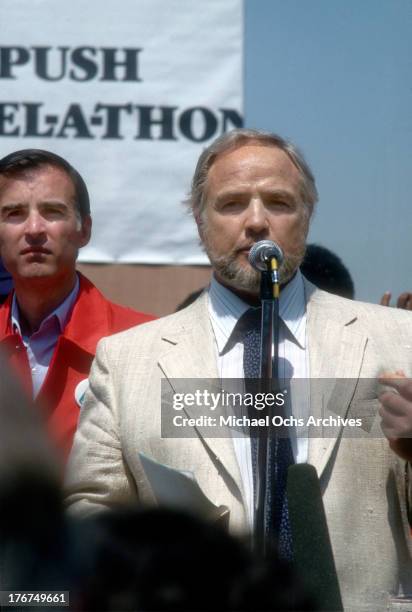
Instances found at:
x=244 y=277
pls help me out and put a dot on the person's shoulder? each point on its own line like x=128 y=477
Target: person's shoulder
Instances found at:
x=169 y=326
x=117 y=317
x=126 y=316
x=369 y=313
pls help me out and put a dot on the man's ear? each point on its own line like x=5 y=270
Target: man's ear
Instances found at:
x=85 y=231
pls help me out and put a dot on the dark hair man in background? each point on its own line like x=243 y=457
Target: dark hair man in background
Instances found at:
x=250 y=186
x=51 y=323
x=327 y=271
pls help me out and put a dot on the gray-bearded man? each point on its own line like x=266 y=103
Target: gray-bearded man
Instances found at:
x=250 y=186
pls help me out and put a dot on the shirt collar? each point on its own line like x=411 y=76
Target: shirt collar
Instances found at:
x=61 y=313
x=226 y=308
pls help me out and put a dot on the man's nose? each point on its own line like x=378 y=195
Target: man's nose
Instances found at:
x=34 y=226
x=256 y=219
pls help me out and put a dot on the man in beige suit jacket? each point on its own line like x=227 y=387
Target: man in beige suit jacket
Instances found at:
x=250 y=186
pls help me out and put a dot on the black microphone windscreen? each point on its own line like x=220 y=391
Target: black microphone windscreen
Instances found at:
x=312 y=548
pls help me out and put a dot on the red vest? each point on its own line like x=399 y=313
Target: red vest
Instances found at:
x=93 y=317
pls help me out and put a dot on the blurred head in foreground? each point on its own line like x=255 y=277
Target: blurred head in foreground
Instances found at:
x=166 y=560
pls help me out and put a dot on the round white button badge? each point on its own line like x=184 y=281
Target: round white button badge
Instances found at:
x=80 y=391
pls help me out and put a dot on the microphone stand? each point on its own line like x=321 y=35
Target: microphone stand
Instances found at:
x=269 y=295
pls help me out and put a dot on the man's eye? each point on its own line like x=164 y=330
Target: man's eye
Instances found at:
x=13 y=214
x=53 y=212
x=231 y=205
x=278 y=204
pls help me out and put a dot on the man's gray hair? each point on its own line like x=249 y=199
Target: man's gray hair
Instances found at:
x=235 y=139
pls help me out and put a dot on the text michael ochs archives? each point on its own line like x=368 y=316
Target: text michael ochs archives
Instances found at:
x=243 y=404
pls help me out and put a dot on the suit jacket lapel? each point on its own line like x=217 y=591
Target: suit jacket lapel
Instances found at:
x=336 y=349
x=189 y=353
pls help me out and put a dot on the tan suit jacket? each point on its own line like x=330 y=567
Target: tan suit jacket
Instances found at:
x=363 y=482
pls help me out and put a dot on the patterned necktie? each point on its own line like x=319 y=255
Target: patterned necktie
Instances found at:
x=280 y=456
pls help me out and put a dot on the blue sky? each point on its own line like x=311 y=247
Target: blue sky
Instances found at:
x=335 y=77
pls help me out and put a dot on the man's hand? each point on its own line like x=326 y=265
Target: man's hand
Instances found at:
x=396 y=413
x=404 y=301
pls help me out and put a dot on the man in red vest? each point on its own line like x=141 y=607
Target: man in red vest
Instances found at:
x=51 y=323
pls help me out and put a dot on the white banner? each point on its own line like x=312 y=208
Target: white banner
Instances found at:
x=129 y=91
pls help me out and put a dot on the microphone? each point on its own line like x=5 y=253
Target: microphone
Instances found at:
x=312 y=548
x=262 y=252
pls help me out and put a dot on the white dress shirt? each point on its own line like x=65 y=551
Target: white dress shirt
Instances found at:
x=225 y=309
